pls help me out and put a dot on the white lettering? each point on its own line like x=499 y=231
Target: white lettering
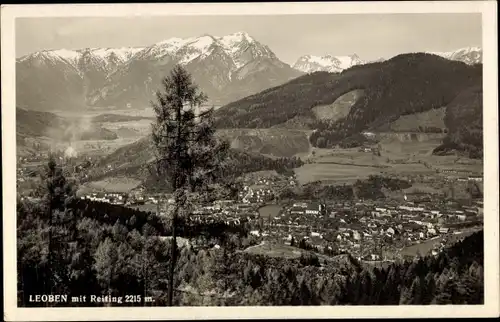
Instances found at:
x=48 y=298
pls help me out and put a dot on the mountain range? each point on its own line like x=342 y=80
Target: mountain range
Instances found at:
x=226 y=68
x=328 y=63
x=335 y=64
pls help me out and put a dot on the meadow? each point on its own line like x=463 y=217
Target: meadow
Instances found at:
x=270 y=210
x=111 y=184
x=332 y=172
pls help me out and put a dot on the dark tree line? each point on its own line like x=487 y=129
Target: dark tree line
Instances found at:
x=244 y=162
x=370 y=188
x=453 y=277
x=94 y=248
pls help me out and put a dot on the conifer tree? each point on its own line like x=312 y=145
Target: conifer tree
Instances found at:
x=188 y=156
x=57 y=195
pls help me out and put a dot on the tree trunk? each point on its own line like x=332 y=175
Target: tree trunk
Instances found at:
x=144 y=274
x=173 y=259
x=50 y=279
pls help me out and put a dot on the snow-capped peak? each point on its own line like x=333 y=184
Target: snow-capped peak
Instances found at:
x=235 y=45
x=64 y=53
x=124 y=53
x=102 y=56
x=234 y=50
x=201 y=43
x=468 y=55
x=329 y=63
x=171 y=41
x=230 y=40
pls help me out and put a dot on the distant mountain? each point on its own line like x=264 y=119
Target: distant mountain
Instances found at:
x=335 y=64
x=64 y=79
x=340 y=106
x=226 y=68
x=101 y=58
x=328 y=63
x=468 y=55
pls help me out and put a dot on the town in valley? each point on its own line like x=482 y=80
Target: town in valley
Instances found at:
x=227 y=168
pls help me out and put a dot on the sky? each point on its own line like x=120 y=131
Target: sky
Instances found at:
x=370 y=36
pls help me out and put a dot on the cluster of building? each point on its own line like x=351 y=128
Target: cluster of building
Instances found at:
x=112 y=198
x=461 y=175
x=264 y=189
x=256 y=195
x=35 y=157
x=369 y=230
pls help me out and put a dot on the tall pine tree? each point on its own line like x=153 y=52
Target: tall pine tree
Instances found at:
x=57 y=195
x=189 y=158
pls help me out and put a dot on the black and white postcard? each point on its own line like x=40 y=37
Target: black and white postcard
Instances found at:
x=204 y=161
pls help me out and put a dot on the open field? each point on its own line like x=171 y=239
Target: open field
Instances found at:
x=111 y=184
x=400 y=154
x=348 y=171
x=270 y=210
x=275 y=250
x=423 y=248
x=330 y=172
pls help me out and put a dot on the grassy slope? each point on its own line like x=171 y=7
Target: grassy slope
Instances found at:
x=338 y=109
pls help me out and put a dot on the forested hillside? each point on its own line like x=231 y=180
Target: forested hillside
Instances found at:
x=282 y=103
x=464 y=119
x=405 y=84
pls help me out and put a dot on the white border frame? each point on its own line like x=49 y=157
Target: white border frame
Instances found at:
x=490 y=121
